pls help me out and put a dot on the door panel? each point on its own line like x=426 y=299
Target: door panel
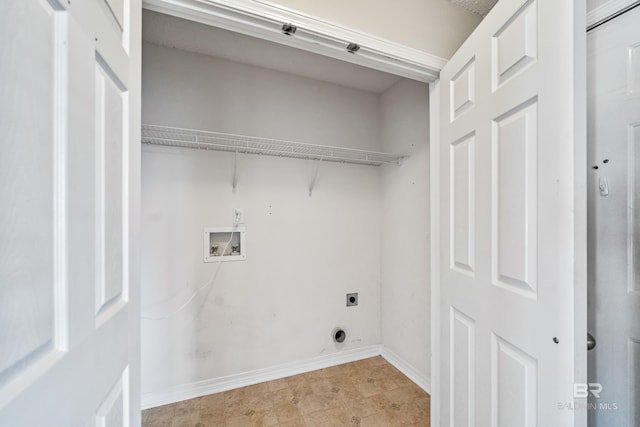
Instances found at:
x=509 y=219
x=462 y=191
x=463 y=92
x=634 y=381
x=68 y=165
x=515 y=45
x=117 y=8
x=514 y=177
x=28 y=325
x=112 y=411
x=514 y=385
x=463 y=369
x=111 y=144
x=614 y=167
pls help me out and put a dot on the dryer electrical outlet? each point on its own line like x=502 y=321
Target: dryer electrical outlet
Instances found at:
x=224 y=244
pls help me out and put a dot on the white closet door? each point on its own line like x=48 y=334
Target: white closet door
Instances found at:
x=69 y=167
x=512 y=217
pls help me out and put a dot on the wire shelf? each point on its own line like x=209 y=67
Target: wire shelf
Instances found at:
x=204 y=140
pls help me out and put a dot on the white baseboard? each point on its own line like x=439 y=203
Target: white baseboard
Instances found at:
x=409 y=370
x=217 y=385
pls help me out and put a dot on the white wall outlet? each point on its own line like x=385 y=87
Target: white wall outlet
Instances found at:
x=238 y=216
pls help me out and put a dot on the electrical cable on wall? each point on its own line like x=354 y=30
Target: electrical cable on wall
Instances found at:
x=208 y=285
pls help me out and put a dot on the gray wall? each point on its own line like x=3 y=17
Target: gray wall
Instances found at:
x=201 y=92
x=303 y=253
x=405 y=225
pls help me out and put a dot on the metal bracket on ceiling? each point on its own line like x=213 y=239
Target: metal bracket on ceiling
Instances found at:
x=289 y=29
x=353 y=48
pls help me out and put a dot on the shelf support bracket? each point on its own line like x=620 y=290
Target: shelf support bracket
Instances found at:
x=234 y=180
x=315 y=177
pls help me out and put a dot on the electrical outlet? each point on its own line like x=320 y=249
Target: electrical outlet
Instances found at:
x=238 y=216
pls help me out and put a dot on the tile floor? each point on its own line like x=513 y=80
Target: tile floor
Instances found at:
x=368 y=392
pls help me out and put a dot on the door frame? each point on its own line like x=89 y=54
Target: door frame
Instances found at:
x=434 y=204
x=264 y=20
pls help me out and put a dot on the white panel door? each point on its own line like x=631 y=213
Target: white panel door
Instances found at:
x=512 y=227
x=69 y=168
x=614 y=219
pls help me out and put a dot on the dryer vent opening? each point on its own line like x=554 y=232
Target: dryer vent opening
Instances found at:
x=339 y=335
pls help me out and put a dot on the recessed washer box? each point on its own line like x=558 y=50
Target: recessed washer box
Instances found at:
x=224 y=244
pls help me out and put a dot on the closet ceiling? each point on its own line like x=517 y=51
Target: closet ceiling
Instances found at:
x=481 y=7
x=194 y=37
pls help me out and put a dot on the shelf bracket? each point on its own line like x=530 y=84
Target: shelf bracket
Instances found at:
x=315 y=177
x=234 y=180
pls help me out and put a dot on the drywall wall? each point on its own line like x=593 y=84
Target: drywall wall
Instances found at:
x=201 y=92
x=434 y=26
x=405 y=223
x=303 y=253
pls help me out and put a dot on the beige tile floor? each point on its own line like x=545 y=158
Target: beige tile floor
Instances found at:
x=368 y=392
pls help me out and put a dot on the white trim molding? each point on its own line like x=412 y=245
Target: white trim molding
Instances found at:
x=608 y=10
x=434 y=157
x=216 y=385
x=265 y=20
x=407 y=369
x=230 y=382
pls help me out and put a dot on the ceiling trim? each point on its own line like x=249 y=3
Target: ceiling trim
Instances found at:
x=265 y=20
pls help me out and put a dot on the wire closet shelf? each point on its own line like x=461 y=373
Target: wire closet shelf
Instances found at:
x=205 y=140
